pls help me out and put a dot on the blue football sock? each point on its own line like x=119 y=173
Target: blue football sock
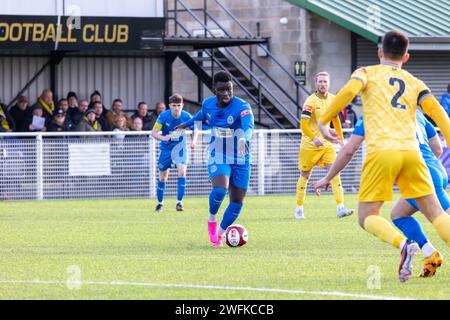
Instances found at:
x=231 y=214
x=160 y=189
x=215 y=199
x=181 y=188
x=412 y=229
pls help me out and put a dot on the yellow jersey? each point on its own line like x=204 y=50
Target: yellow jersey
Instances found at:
x=314 y=107
x=390 y=96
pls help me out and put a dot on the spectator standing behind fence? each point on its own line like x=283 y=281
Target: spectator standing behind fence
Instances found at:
x=99 y=115
x=72 y=100
x=115 y=111
x=89 y=122
x=120 y=124
x=78 y=114
x=18 y=113
x=64 y=105
x=59 y=122
x=37 y=112
x=350 y=117
x=137 y=124
x=95 y=96
x=45 y=100
x=445 y=100
x=160 y=107
x=6 y=121
x=142 y=113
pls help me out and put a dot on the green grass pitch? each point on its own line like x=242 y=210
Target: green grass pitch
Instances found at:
x=162 y=255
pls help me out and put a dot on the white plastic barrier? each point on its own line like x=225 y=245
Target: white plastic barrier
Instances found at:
x=105 y=165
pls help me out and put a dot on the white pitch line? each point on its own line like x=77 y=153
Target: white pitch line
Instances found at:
x=197 y=286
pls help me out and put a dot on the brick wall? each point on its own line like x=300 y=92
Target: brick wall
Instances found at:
x=306 y=36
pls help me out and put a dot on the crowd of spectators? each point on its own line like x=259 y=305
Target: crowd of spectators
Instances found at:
x=73 y=114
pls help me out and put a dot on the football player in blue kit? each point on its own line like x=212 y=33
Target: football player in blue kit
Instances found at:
x=231 y=121
x=173 y=149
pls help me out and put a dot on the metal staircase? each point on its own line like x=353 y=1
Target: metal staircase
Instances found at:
x=276 y=103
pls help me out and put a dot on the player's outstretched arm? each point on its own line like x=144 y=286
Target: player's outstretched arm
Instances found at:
x=195 y=135
x=248 y=124
x=435 y=145
x=198 y=117
x=342 y=99
x=436 y=112
x=338 y=127
x=344 y=156
x=433 y=139
x=156 y=135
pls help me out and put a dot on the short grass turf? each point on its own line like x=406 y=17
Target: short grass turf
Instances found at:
x=124 y=240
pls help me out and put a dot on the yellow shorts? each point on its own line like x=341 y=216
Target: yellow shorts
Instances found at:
x=308 y=158
x=384 y=168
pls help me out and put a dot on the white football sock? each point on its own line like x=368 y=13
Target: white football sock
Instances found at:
x=428 y=250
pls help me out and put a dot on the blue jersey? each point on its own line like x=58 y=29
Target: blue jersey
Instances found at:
x=228 y=125
x=425 y=131
x=166 y=122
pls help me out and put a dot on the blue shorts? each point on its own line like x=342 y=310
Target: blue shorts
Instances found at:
x=239 y=173
x=166 y=161
x=440 y=181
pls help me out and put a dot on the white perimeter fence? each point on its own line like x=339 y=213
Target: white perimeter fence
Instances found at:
x=106 y=165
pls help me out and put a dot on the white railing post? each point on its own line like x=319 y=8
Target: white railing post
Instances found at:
x=152 y=168
x=261 y=163
x=39 y=169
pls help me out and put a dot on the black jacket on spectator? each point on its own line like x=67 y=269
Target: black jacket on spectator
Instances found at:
x=351 y=115
x=20 y=117
x=69 y=124
x=54 y=127
x=103 y=123
x=147 y=121
x=6 y=121
x=76 y=117
x=153 y=118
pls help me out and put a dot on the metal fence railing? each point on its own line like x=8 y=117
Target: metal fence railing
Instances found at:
x=105 y=165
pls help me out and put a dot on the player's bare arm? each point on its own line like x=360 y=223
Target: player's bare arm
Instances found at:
x=343 y=158
x=158 y=136
x=435 y=145
x=342 y=99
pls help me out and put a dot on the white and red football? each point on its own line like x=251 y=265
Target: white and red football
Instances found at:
x=236 y=235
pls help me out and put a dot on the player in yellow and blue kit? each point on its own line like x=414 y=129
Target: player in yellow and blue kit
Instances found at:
x=173 y=149
x=231 y=121
x=401 y=214
x=390 y=96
